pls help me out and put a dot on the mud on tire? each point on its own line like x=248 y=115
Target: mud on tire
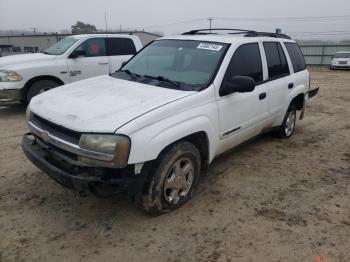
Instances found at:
x=172 y=180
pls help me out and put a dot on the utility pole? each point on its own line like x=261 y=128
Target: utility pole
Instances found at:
x=210 y=19
x=106 y=21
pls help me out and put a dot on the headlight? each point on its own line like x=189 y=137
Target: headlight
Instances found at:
x=9 y=76
x=29 y=114
x=116 y=145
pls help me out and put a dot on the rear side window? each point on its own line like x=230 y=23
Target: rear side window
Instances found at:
x=120 y=46
x=276 y=60
x=246 y=61
x=296 y=56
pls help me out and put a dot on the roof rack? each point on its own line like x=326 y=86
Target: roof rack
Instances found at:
x=276 y=35
x=247 y=33
x=203 y=31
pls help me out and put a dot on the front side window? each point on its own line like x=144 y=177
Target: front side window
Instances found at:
x=246 y=61
x=61 y=47
x=296 y=56
x=276 y=60
x=92 y=47
x=180 y=64
x=120 y=46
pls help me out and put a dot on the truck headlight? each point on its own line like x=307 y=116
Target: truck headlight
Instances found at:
x=116 y=145
x=29 y=114
x=9 y=76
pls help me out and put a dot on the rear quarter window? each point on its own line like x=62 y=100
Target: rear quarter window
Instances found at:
x=120 y=46
x=296 y=56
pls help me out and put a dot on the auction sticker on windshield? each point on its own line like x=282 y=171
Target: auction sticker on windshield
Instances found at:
x=209 y=46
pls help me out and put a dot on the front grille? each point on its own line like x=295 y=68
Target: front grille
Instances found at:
x=56 y=130
x=343 y=62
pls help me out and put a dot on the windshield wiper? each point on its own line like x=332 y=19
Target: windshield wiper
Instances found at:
x=164 y=79
x=129 y=73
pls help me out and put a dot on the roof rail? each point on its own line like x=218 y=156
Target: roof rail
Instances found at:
x=203 y=31
x=276 y=35
x=247 y=33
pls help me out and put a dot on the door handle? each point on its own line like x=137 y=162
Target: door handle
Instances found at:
x=103 y=63
x=291 y=85
x=262 y=96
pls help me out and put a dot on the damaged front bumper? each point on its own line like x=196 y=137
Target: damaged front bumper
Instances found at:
x=7 y=95
x=102 y=182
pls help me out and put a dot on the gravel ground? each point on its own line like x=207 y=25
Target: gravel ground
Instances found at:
x=270 y=200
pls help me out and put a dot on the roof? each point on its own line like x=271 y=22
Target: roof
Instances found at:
x=342 y=52
x=99 y=33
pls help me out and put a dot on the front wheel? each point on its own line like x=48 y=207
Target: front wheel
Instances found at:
x=173 y=179
x=286 y=130
x=40 y=87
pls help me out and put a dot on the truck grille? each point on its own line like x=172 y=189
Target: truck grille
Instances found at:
x=56 y=130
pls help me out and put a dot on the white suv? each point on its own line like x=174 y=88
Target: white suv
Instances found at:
x=71 y=59
x=151 y=127
x=341 y=60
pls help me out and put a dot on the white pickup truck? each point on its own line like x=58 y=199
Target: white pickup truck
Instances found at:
x=71 y=59
x=155 y=124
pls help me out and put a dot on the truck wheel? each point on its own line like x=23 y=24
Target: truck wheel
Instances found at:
x=40 y=87
x=286 y=130
x=173 y=179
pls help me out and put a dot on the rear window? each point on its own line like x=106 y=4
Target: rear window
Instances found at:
x=296 y=56
x=120 y=46
x=276 y=60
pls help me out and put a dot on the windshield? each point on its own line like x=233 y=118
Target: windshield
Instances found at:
x=181 y=64
x=61 y=46
x=342 y=55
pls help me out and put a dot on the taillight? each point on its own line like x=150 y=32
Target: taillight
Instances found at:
x=309 y=81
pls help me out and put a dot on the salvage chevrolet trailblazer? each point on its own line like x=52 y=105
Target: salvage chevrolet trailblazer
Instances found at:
x=152 y=126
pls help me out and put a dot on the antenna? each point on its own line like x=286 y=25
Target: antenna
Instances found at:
x=210 y=20
x=34 y=29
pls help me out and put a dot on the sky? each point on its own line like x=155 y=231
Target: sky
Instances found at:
x=300 y=18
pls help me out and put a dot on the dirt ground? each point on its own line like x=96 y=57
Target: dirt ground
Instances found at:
x=270 y=200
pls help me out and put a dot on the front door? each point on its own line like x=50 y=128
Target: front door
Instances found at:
x=92 y=60
x=242 y=115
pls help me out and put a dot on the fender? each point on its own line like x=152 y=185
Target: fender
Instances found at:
x=148 y=142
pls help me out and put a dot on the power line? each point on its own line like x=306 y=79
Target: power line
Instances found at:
x=261 y=19
x=339 y=17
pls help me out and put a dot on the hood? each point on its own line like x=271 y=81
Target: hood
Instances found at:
x=101 y=104
x=9 y=62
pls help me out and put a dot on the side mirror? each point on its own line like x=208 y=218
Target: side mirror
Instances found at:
x=239 y=84
x=77 y=53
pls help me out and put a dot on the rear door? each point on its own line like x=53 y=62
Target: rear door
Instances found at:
x=93 y=60
x=279 y=79
x=241 y=115
x=119 y=50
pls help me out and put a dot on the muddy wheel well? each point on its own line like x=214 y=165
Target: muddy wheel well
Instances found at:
x=201 y=142
x=298 y=102
x=35 y=79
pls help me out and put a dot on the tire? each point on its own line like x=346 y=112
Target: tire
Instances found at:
x=39 y=87
x=173 y=179
x=286 y=130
